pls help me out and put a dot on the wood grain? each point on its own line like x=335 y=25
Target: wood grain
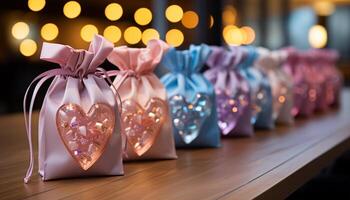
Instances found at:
x=269 y=165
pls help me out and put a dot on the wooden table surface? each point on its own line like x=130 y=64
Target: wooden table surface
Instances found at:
x=270 y=165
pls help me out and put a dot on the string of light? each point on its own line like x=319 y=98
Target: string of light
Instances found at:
x=132 y=34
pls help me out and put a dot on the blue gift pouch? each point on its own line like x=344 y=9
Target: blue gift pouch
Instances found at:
x=261 y=94
x=191 y=98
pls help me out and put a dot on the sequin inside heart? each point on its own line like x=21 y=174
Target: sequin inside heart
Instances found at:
x=279 y=98
x=259 y=101
x=229 y=109
x=142 y=125
x=189 y=117
x=85 y=135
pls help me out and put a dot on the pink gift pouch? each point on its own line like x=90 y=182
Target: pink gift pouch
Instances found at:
x=146 y=122
x=334 y=78
x=296 y=65
x=306 y=64
x=328 y=77
x=270 y=63
x=79 y=123
x=317 y=62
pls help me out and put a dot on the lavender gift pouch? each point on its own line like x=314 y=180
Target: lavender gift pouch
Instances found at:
x=232 y=91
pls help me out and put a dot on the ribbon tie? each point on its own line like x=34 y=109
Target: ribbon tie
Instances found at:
x=76 y=63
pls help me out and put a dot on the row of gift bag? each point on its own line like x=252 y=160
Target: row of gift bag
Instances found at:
x=89 y=124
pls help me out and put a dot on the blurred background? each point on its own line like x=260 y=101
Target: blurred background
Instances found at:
x=26 y=24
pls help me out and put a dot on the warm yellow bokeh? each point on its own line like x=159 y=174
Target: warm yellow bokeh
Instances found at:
x=174 y=37
x=211 y=21
x=20 y=30
x=28 y=47
x=36 y=5
x=71 y=9
x=149 y=34
x=174 y=13
x=88 y=32
x=228 y=28
x=248 y=35
x=233 y=35
x=324 y=7
x=143 y=16
x=317 y=36
x=132 y=35
x=112 y=33
x=113 y=11
x=190 y=19
x=229 y=15
x=49 y=31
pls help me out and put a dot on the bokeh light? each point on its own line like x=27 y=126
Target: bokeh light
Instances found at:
x=132 y=35
x=20 y=30
x=229 y=15
x=317 y=36
x=190 y=19
x=248 y=35
x=233 y=35
x=174 y=13
x=71 y=9
x=323 y=7
x=143 y=16
x=281 y=99
x=149 y=34
x=36 y=5
x=88 y=32
x=112 y=33
x=211 y=21
x=49 y=31
x=28 y=47
x=174 y=37
x=113 y=11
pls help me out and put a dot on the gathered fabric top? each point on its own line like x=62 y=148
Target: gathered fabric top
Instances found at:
x=250 y=54
x=78 y=62
x=223 y=58
x=187 y=61
x=139 y=60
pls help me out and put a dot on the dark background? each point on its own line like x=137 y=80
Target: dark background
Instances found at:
x=277 y=23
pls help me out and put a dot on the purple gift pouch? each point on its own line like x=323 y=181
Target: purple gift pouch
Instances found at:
x=232 y=92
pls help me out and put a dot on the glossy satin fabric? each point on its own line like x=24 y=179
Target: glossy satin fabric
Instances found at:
x=305 y=87
x=334 y=77
x=317 y=65
x=224 y=75
x=261 y=94
x=83 y=89
x=141 y=86
x=328 y=77
x=270 y=63
x=184 y=79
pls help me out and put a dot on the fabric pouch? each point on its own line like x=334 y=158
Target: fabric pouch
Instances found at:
x=146 y=122
x=191 y=98
x=260 y=90
x=232 y=91
x=270 y=63
x=328 y=77
x=305 y=88
x=79 y=122
x=334 y=78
